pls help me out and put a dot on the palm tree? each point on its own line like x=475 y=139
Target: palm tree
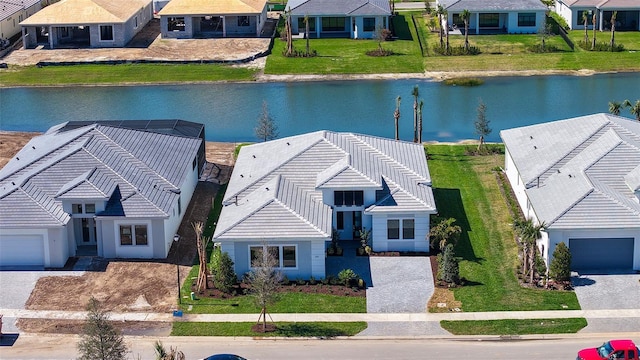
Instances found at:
x=465 y=15
x=420 y=121
x=396 y=116
x=593 y=21
x=634 y=108
x=440 y=11
x=162 y=354
x=614 y=107
x=446 y=30
x=613 y=30
x=415 y=93
x=529 y=234
x=585 y=20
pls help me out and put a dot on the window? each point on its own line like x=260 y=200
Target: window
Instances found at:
x=369 y=24
x=408 y=229
x=348 y=198
x=285 y=255
x=243 y=21
x=76 y=208
x=393 y=229
x=302 y=26
x=175 y=24
x=526 y=19
x=125 y=235
x=340 y=220
x=106 y=33
x=333 y=24
x=490 y=20
x=141 y=234
x=90 y=208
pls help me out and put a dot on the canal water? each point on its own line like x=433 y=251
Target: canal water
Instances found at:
x=230 y=110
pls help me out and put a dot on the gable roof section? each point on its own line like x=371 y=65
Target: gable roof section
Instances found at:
x=582 y=181
x=299 y=167
x=492 y=5
x=339 y=7
x=78 y=12
x=212 y=7
x=92 y=162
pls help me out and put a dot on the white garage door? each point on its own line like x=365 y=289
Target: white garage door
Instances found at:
x=21 y=250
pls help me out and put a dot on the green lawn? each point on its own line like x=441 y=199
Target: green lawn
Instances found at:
x=290 y=302
x=514 y=327
x=348 y=56
x=122 y=74
x=284 y=329
x=466 y=188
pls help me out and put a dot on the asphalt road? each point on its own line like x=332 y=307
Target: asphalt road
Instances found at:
x=488 y=348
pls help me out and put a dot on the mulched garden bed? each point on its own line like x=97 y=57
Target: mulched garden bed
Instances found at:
x=318 y=288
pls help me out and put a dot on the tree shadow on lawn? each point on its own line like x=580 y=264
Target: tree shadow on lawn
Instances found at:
x=450 y=204
x=309 y=330
x=401 y=28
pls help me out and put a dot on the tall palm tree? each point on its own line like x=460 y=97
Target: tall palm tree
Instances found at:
x=415 y=93
x=420 y=121
x=396 y=116
x=529 y=234
x=440 y=11
x=593 y=21
x=585 y=20
x=634 y=108
x=613 y=30
x=614 y=107
x=446 y=30
x=466 y=15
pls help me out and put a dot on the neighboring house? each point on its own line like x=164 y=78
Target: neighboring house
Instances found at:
x=12 y=12
x=581 y=177
x=628 y=17
x=186 y=19
x=491 y=16
x=355 y=19
x=112 y=189
x=86 y=23
x=290 y=194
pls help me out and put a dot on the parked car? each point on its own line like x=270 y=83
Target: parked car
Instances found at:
x=224 y=357
x=611 y=350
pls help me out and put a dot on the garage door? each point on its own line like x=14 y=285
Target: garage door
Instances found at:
x=595 y=254
x=19 y=250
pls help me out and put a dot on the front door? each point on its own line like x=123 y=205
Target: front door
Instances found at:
x=357 y=224
x=88 y=231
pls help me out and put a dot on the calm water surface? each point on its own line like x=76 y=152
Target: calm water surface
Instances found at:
x=230 y=111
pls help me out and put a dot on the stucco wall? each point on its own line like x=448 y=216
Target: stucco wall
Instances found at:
x=381 y=242
x=309 y=256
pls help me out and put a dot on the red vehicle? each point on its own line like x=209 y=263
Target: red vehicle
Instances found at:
x=611 y=350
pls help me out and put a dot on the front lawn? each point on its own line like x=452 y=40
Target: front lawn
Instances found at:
x=465 y=188
x=349 y=56
x=514 y=327
x=284 y=329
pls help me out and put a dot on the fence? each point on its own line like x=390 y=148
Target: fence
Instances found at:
x=422 y=42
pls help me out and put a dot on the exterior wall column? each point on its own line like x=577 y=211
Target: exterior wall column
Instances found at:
x=600 y=21
x=478 y=23
x=257 y=25
x=224 y=26
x=318 y=26
x=50 y=37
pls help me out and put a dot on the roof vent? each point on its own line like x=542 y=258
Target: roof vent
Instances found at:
x=267 y=188
x=241 y=175
x=12 y=183
x=17 y=158
x=288 y=143
x=558 y=171
x=33 y=147
x=254 y=156
x=531 y=137
x=535 y=147
x=570 y=176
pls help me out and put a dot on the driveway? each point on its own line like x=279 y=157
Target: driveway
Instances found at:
x=608 y=291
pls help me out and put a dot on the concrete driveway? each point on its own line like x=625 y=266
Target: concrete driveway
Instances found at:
x=610 y=291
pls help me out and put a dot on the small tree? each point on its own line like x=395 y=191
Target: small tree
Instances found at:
x=593 y=21
x=201 y=245
x=614 y=107
x=266 y=128
x=544 y=33
x=223 y=275
x=264 y=280
x=585 y=21
x=415 y=93
x=633 y=108
x=560 y=267
x=440 y=11
x=444 y=232
x=448 y=266
x=396 y=117
x=381 y=35
x=99 y=339
x=420 y=121
x=306 y=33
x=465 y=16
x=163 y=354
x=289 y=35
x=612 y=43
x=482 y=123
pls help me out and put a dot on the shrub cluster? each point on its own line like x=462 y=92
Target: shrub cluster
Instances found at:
x=300 y=53
x=601 y=46
x=456 y=50
x=537 y=48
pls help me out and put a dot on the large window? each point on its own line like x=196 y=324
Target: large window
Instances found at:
x=408 y=229
x=129 y=233
x=176 y=24
x=333 y=24
x=490 y=20
x=243 y=21
x=526 y=19
x=106 y=33
x=369 y=24
x=348 y=198
x=302 y=26
x=284 y=255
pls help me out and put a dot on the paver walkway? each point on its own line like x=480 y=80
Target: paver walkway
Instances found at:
x=399 y=284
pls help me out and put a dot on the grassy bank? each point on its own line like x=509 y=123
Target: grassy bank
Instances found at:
x=465 y=188
x=284 y=329
x=515 y=327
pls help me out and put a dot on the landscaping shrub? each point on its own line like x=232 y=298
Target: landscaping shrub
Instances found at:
x=456 y=50
x=222 y=267
x=559 y=20
x=601 y=46
x=538 y=49
x=464 y=82
x=347 y=276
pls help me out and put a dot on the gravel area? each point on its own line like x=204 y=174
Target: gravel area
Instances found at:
x=399 y=284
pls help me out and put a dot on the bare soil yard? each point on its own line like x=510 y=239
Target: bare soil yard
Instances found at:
x=124 y=285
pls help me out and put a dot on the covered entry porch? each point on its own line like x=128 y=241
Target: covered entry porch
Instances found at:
x=53 y=37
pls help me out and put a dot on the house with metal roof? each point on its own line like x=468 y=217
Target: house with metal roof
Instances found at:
x=627 y=17
x=12 y=12
x=492 y=16
x=581 y=178
x=292 y=194
x=86 y=23
x=116 y=189
x=186 y=19
x=355 y=19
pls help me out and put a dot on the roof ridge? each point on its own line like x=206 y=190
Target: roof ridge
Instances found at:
x=572 y=205
x=609 y=194
x=298 y=215
x=40 y=204
x=399 y=187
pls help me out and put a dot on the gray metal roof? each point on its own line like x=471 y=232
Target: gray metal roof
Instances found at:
x=580 y=172
x=339 y=7
x=140 y=172
x=492 y=5
x=276 y=187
